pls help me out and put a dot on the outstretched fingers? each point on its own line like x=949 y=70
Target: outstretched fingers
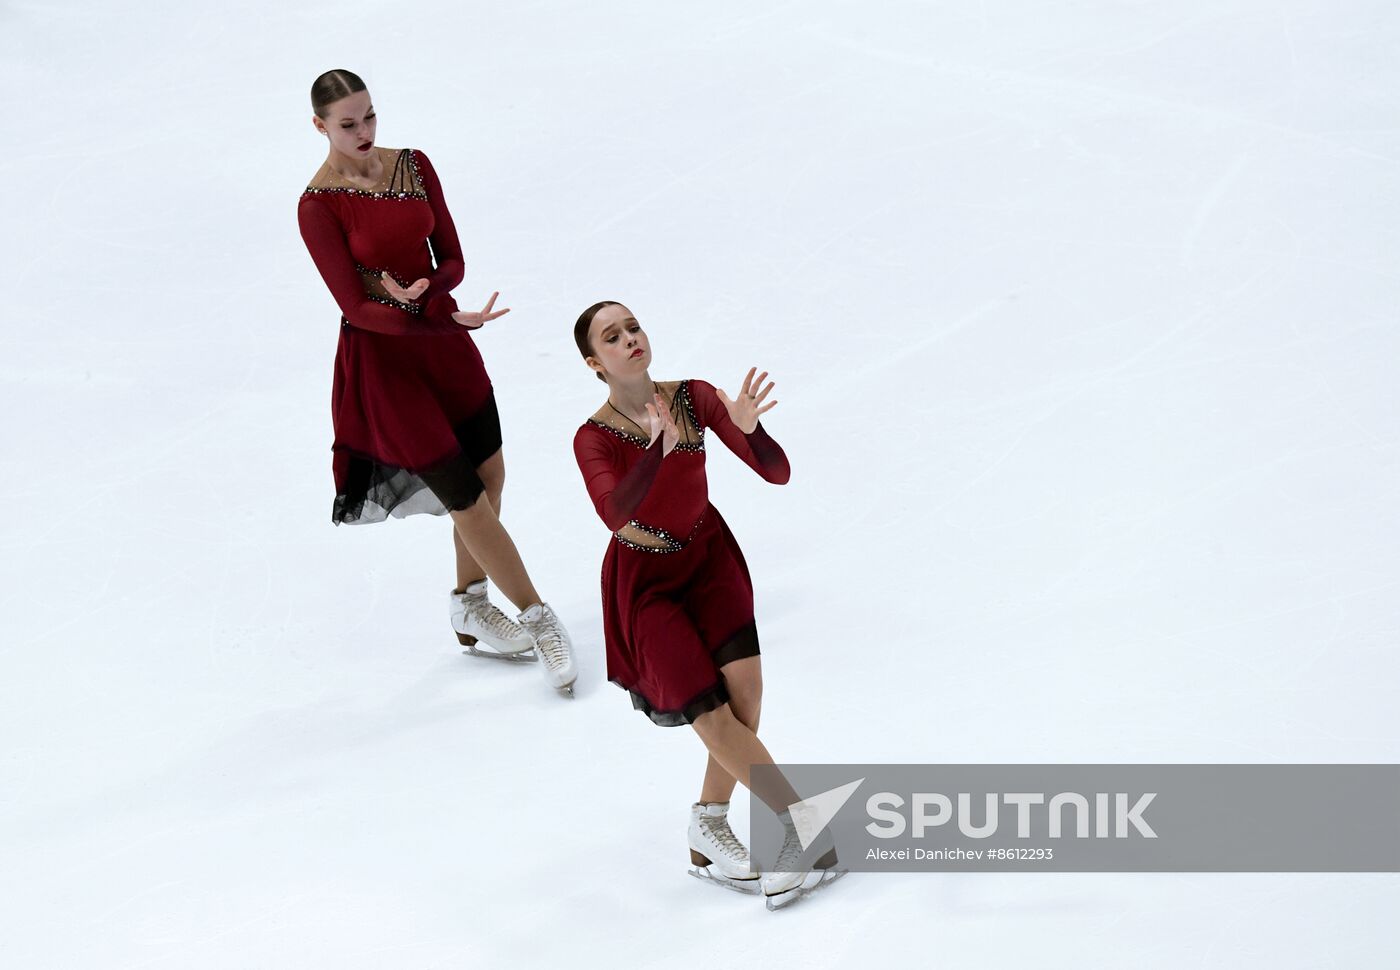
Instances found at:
x=748 y=378
x=486 y=313
x=763 y=393
x=667 y=421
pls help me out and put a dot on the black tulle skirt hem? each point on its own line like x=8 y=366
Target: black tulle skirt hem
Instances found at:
x=707 y=700
x=370 y=490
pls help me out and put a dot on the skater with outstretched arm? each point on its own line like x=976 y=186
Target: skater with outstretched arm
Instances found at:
x=678 y=619
x=414 y=412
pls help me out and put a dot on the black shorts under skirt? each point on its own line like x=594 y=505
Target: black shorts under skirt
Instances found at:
x=372 y=491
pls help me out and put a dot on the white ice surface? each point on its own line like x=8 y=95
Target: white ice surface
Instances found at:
x=1083 y=317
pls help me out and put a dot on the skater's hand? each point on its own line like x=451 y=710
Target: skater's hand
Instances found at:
x=745 y=410
x=473 y=321
x=398 y=292
x=659 y=417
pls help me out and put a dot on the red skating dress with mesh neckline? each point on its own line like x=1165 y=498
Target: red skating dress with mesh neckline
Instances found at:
x=412 y=406
x=677 y=597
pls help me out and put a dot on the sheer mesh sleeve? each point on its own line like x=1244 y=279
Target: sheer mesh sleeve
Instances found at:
x=757 y=449
x=447 y=250
x=615 y=495
x=325 y=240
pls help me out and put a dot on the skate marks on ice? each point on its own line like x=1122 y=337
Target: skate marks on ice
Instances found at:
x=1033 y=77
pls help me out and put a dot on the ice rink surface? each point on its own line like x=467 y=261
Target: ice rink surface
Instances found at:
x=1083 y=322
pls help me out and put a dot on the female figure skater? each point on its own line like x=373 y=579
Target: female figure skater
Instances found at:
x=416 y=427
x=678 y=618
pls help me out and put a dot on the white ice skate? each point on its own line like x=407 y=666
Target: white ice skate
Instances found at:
x=716 y=853
x=788 y=883
x=553 y=646
x=475 y=618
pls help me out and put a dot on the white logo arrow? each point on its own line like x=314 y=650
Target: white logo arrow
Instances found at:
x=811 y=815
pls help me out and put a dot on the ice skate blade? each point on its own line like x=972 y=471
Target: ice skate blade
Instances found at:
x=783 y=900
x=527 y=655
x=567 y=691
x=749 y=887
x=523 y=657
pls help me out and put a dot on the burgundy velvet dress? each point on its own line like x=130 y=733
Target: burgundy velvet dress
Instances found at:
x=677 y=597
x=411 y=404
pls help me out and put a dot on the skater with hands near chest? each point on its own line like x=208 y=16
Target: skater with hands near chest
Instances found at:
x=678 y=618
x=413 y=409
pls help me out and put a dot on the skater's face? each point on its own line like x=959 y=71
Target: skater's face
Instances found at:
x=620 y=346
x=349 y=123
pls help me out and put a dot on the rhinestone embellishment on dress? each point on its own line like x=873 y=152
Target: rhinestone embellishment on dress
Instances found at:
x=398 y=177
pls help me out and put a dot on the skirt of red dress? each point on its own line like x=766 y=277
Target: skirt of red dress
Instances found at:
x=413 y=418
x=672 y=620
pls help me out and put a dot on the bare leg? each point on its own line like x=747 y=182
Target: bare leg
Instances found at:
x=493 y=550
x=737 y=749
x=744 y=680
x=493 y=475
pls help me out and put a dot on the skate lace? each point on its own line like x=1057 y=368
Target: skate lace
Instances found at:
x=718 y=829
x=489 y=616
x=549 y=639
x=789 y=853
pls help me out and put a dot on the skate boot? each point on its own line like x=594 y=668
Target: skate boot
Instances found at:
x=789 y=882
x=553 y=646
x=475 y=618
x=716 y=854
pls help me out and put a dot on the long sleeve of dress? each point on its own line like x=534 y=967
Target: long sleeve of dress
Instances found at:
x=615 y=496
x=447 y=250
x=757 y=449
x=325 y=240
